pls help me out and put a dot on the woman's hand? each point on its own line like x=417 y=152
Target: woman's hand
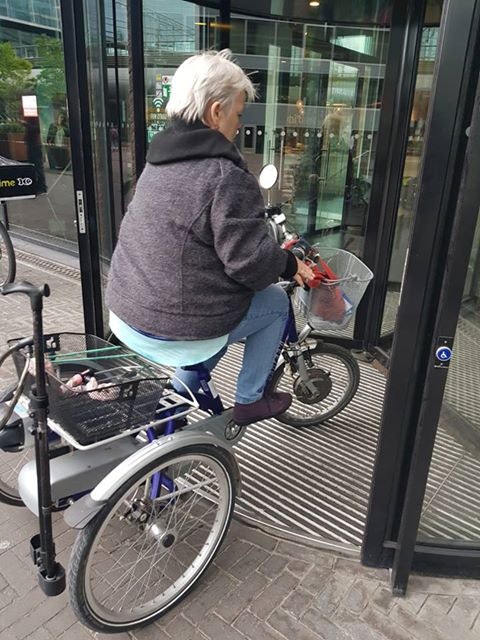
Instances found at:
x=303 y=274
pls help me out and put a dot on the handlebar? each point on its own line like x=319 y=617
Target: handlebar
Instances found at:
x=36 y=294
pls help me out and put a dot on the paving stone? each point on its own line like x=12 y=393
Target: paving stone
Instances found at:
x=291 y=628
x=359 y=595
x=117 y=636
x=413 y=601
x=355 y=627
x=36 y=617
x=19 y=576
x=452 y=586
x=204 y=599
x=299 y=567
x=7 y=596
x=318 y=623
x=40 y=634
x=438 y=604
x=253 y=558
x=232 y=554
x=383 y=599
x=214 y=627
x=254 y=628
x=76 y=632
x=354 y=568
x=465 y=609
x=181 y=628
x=307 y=554
x=328 y=600
x=61 y=622
x=297 y=602
x=241 y=596
x=428 y=628
x=255 y=536
x=384 y=625
x=152 y=632
x=435 y=611
x=20 y=608
x=273 y=595
x=317 y=578
x=273 y=565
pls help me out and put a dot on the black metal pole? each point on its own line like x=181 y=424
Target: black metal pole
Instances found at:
x=40 y=402
x=137 y=83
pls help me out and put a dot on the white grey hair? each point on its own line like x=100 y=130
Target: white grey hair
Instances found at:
x=207 y=77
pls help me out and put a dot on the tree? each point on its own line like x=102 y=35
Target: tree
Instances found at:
x=51 y=84
x=15 y=79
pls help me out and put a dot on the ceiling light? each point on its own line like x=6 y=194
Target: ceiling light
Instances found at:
x=314 y=3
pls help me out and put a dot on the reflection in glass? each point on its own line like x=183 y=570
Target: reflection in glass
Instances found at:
x=173 y=31
x=34 y=124
x=418 y=116
x=319 y=97
x=451 y=508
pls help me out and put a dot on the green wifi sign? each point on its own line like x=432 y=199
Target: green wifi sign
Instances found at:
x=158 y=102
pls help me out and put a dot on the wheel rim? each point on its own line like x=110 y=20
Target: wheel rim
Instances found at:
x=5 y=266
x=340 y=377
x=11 y=464
x=136 y=570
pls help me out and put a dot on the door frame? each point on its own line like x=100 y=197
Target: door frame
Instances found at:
x=429 y=306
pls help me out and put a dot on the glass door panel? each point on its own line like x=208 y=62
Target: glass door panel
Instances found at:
x=451 y=508
x=316 y=117
x=173 y=31
x=34 y=128
x=406 y=206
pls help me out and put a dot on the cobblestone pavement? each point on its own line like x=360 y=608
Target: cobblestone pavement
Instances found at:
x=259 y=587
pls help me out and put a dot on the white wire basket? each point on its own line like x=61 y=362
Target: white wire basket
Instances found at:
x=332 y=305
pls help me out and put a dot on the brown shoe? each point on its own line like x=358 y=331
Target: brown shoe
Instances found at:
x=271 y=405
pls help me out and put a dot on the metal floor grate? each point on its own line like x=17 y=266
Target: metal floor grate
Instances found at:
x=310 y=484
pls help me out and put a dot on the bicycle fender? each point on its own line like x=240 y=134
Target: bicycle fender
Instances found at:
x=79 y=514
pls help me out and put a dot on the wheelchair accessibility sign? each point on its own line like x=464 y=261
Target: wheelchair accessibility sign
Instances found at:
x=443 y=352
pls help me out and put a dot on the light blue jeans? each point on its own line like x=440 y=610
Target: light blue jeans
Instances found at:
x=263 y=327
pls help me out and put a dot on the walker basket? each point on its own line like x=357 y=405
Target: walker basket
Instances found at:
x=124 y=395
x=332 y=305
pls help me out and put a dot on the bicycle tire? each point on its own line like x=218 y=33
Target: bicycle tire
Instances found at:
x=11 y=464
x=163 y=532
x=8 y=265
x=318 y=412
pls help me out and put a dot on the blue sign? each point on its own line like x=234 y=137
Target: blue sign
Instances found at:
x=444 y=354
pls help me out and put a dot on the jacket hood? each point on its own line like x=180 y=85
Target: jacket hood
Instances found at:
x=191 y=141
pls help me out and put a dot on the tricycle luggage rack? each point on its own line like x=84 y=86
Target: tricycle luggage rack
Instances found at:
x=99 y=392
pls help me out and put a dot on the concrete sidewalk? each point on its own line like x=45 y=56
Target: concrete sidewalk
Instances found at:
x=260 y=587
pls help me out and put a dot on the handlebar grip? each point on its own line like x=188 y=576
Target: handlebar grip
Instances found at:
x=34 y=293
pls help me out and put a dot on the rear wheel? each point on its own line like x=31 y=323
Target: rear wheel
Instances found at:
x=7 y=258
x=10 y=465
x=139 y=556
x=335 y=375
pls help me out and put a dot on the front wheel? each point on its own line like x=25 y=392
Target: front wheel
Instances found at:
x=335 y=375
x=142 y=553
x=7 y=258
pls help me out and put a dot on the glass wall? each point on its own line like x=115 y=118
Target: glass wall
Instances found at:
x=411 y=172
x=319 y=99
x=34 y=120
x=317 y=112
x=173 y=31
x=451 y=508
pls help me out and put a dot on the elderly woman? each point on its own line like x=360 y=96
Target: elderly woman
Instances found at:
x=194 y=266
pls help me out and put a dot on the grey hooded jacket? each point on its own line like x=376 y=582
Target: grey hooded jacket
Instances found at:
x=193 y=247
